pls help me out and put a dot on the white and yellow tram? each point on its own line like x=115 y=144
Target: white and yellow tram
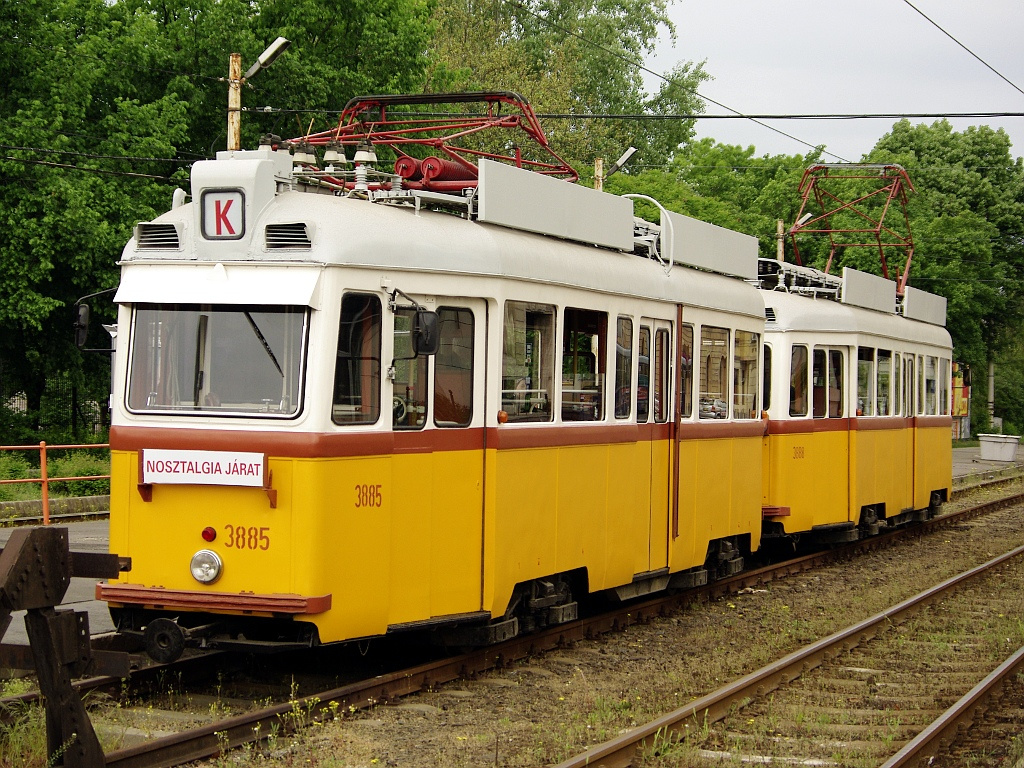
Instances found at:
x=859 y=408
x=341 y=415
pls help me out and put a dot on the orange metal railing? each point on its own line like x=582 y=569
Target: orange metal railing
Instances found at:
x=44 y=479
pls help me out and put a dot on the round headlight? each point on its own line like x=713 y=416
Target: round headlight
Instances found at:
x=206 y=566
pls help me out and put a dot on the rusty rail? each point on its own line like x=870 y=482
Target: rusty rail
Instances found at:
x=621 y=752
x=44 y=479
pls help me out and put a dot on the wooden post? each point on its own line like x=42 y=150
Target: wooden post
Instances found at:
x=235 y=102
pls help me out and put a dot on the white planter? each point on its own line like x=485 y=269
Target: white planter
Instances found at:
x=999 y=447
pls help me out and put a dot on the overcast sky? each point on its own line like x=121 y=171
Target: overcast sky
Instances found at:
x=848 y=56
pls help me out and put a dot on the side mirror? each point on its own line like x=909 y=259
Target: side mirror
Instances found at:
x=426 y=336
x=82 y=325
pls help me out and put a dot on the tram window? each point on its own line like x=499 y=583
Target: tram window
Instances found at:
x=908 y=401
x=686 y=371
x=643 y=384
x=583 y=365
x=865 y=380
x=623 y=368
x=828 y=383
x=798 y=381
x=944 y=385
x=357 y=370
x=836 y=366
x=897 y=385
x=661 y=372
x=409 y=390
x=714 y=377
x=820 y=382
x=930 y=389
x=745 y=375
x=766 y=385
x=920 y=385
x=215 y=359
x=884 y=381
x=453 y=368
x=527 y=364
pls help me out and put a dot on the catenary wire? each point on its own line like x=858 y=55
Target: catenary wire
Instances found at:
x=999 y=74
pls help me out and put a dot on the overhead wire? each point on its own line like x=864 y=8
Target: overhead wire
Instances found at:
x=661 y=76
x=999 y=74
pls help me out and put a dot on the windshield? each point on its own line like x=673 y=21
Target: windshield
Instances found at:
x=217 y=359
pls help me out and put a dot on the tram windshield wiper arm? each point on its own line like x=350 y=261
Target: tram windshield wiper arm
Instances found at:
x=263 y=340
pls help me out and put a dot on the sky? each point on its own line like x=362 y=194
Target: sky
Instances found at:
x=847 y=56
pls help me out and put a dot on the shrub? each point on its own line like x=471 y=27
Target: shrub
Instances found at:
x=14 y=466
x=79 y=464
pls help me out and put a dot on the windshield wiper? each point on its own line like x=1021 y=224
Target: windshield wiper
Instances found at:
x=263 y=340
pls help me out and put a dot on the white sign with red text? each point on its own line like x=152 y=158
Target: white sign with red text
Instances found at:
x=223 y=214
x=203 y=467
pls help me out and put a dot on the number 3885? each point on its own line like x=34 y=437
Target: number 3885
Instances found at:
x=369 y=495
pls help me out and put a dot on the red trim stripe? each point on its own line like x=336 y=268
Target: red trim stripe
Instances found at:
x=173 y=599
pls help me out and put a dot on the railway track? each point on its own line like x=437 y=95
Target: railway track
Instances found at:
x=214 y=737
x=850 y=698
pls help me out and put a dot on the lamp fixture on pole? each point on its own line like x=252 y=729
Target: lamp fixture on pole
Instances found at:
x=235 y=80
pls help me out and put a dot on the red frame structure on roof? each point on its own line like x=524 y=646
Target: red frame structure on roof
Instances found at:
x=427 y=145
x=820 y=190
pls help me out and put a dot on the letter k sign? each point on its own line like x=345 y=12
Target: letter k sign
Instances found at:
x=223 y=214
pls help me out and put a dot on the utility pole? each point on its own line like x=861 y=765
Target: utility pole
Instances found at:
x=235 y=102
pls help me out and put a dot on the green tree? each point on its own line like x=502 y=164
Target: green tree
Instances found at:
x=91 y=89
x=725 y=185
x=968 y=222
x=569 y=57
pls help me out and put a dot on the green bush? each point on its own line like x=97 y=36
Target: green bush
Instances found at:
x=79 y=464
x=14 y=466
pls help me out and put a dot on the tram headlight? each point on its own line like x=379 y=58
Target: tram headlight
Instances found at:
x=206 y=566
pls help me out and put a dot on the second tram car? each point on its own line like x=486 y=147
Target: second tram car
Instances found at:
x=858 y=401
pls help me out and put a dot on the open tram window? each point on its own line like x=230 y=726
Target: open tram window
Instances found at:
x=865 y=381
x=527 y=363
x=930 y=386
x=920 y=385
x=623 y=367
x=685 y=370
x=745 y=375
x=216 y=359
x=583 y=365
x=409 y=387
x=883 y=381
x=714 y=373
x=453 y=368
x=798 y=381
x=644 y=384
x=357 y=370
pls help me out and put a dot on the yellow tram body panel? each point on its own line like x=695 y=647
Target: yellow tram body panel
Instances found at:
x=882 y=467
x=719 y=485
x=408 y=551
x=807 y=472
x=933 y=458
x=568 y=507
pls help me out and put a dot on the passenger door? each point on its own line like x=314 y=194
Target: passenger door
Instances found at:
x=653 y=411
x=438 y=469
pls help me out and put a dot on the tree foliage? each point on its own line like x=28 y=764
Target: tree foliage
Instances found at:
x=573 y=57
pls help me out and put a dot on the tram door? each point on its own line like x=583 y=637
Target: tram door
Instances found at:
x=653 y=415
x=438 y=424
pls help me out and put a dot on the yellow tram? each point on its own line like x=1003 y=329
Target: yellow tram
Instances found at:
x=338 y=416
